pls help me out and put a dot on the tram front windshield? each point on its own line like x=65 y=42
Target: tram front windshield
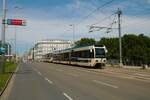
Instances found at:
x=99 y=53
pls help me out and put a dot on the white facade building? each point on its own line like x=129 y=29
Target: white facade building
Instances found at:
x=48 y=46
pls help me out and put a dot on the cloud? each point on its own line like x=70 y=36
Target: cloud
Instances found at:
x=43 y=29
x=54 y=23
x=59 y=29
x=148 y=1
x=136 y=25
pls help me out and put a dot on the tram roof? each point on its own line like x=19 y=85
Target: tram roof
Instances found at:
x=78 y=47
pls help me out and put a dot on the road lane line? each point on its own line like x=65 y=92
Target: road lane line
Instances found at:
x=40 y=73
x=67 y=96
x=75 y=75
x=35 y=69
x=106 y=84
x=112 y=75
x=48 y=80
x=60 y=70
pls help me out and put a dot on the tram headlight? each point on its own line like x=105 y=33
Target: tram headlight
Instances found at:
x=104 y=60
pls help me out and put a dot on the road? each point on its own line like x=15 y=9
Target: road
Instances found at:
x=45 y=81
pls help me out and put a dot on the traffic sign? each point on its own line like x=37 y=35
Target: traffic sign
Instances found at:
x=2 y=50
x=16 y=22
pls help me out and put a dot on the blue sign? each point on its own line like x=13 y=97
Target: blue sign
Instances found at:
x=2 y=50
x=9 y=21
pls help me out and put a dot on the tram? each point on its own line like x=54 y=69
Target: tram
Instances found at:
x=91 y=56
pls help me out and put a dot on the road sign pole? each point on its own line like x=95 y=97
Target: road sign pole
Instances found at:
x=15 y=44
x=2 y=68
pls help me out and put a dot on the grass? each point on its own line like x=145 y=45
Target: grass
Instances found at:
x=9 y=68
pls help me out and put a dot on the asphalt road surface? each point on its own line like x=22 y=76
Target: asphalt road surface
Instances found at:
x=46 y=81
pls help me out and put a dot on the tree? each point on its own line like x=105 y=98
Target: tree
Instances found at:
x=135 y=48
x=85 y=41
x=112 y=46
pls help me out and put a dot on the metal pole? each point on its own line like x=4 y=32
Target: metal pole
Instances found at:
x=33 y=54
x=73 y=32
x=15 y=33
x=15 y=44
x=8 y=49
x=119 y=12
x=15 y=28
x=3 y=35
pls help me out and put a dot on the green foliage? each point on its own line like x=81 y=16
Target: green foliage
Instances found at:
x=136 y=49
x=10 y=67
x=85 y=41
x=112 y=47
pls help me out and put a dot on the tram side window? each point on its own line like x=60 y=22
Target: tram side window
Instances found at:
x=73 y=54
x=62 y=57
x=86 y=54
x=83 y=54
x=79 y=53
x=76 y=54
x=66 y=56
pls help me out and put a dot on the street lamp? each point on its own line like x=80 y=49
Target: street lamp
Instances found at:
x=73 y=32
x=15 y=30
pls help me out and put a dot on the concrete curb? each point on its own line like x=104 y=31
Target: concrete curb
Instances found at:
x=7 y=82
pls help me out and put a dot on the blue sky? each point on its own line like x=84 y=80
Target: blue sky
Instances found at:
x=50 y=19
x=61 y=7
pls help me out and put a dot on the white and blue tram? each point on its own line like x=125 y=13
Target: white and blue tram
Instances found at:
x=91 y=56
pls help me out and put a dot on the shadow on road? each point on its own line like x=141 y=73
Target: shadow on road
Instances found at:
x=86 y=67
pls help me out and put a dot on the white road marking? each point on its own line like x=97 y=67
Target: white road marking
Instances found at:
x=80 y=69
x=75 y=75
x=125 y=77
x=59 y=70
x=86 y=71
x=40 y=73
x=35 y=69
x=67 y=96
x=48 y=80
x=106 y=84
x=143 y=75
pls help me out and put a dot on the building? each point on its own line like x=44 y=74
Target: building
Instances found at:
x=30 y=55
x=48 y=46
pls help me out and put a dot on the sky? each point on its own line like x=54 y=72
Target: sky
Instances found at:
x=51 y=19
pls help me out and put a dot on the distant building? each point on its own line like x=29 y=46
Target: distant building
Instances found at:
x=48 y=46
x=30 y=54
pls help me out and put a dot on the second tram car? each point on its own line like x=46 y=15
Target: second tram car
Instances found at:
x=91 y=56
x=48 y=57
